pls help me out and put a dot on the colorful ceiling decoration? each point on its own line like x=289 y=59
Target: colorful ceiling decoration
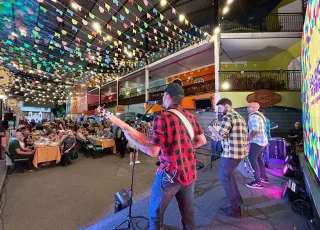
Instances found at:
x=88 y=41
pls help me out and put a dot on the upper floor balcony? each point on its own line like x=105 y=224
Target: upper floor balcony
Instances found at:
x=276 y=80
x=274 y=22
x=230 y=81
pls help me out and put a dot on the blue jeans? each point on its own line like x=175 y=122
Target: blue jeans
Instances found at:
x=163 y=191
x=227 y=166
x=266 y=154
x=216 y=147
x=257 y=164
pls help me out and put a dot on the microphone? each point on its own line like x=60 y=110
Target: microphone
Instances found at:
x=154 y=102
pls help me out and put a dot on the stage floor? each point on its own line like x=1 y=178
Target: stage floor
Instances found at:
x=263 y=209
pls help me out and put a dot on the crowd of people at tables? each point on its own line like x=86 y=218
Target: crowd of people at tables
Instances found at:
x=69 y=135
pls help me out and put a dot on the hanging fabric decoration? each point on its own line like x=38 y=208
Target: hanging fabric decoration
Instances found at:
x=29 y=11
x=155 y=11
x=121 y=17
x=59 y=19
x=91 y=15
x=101 y=9
x=74 y=22
x=114 y=18
x=116 y=2
x=139 y=8
x=43 y=9
x=69 y=12
x=107 y=6
x=84 y=22
x=126 y=10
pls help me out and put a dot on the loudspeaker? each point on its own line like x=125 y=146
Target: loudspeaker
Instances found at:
x=289 y=170
x=8 y=116
x=122 y=200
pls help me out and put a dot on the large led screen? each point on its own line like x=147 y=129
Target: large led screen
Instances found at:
x=310 y=64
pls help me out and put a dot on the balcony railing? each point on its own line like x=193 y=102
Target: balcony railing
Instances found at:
x=280 y=22
x=107 y=104
x=132 y=98
x=279 y=80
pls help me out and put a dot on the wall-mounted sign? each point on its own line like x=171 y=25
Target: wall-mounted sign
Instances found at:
x=12 y=103
x=265 y=98
x=120 y=108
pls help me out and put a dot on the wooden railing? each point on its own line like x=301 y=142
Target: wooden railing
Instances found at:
x=280 y=80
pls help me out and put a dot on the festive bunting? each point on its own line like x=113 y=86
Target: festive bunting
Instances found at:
x=101 y=9
x=91 y=15
x=107 y=6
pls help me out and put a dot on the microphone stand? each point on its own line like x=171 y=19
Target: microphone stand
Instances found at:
x=130 y=218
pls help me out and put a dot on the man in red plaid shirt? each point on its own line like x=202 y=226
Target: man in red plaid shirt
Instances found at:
x=176 y=175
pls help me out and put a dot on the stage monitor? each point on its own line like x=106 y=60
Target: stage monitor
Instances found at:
x=310 y=64
x=203 y=103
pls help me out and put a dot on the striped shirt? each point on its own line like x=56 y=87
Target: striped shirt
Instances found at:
x=257 y=122
x=233 y=129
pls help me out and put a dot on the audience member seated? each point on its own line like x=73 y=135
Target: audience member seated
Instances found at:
x=107 y=133
x=47 y=129
x=54 y=136
x=81 y=134
x=17 y=151
x=67 y=148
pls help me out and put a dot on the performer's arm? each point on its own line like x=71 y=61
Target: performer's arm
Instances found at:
x=143 y=144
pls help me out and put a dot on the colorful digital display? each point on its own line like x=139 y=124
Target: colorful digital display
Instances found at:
x=310 y=64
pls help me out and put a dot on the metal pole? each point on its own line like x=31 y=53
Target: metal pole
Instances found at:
x=217 y=61
x=146 y=84
x=118 y=91
x=217 y=67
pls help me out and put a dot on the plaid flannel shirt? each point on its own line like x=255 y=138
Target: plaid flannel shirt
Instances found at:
x=177 y=151
x=257 y=123
x=233 y=129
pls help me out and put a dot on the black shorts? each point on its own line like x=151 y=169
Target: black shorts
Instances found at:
x=131 y=150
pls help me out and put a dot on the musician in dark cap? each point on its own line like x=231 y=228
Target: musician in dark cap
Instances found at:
x=176 y=134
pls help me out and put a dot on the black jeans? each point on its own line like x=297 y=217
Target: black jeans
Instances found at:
x=257 y=164
x=228 y=181
x=65 y=159
x=163 y=191
x=121 y=146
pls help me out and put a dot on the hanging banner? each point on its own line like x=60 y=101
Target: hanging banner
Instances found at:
x=120 y=108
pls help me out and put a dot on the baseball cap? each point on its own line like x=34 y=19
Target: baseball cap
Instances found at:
x=174 y=89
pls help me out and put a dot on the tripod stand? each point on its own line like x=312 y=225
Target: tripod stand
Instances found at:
x=129 y=220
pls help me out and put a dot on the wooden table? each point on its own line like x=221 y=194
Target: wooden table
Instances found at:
x=107 y=143
x=45 y=154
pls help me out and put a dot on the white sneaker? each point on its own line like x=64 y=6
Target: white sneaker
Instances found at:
x=137 y=162
x=131 y=163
